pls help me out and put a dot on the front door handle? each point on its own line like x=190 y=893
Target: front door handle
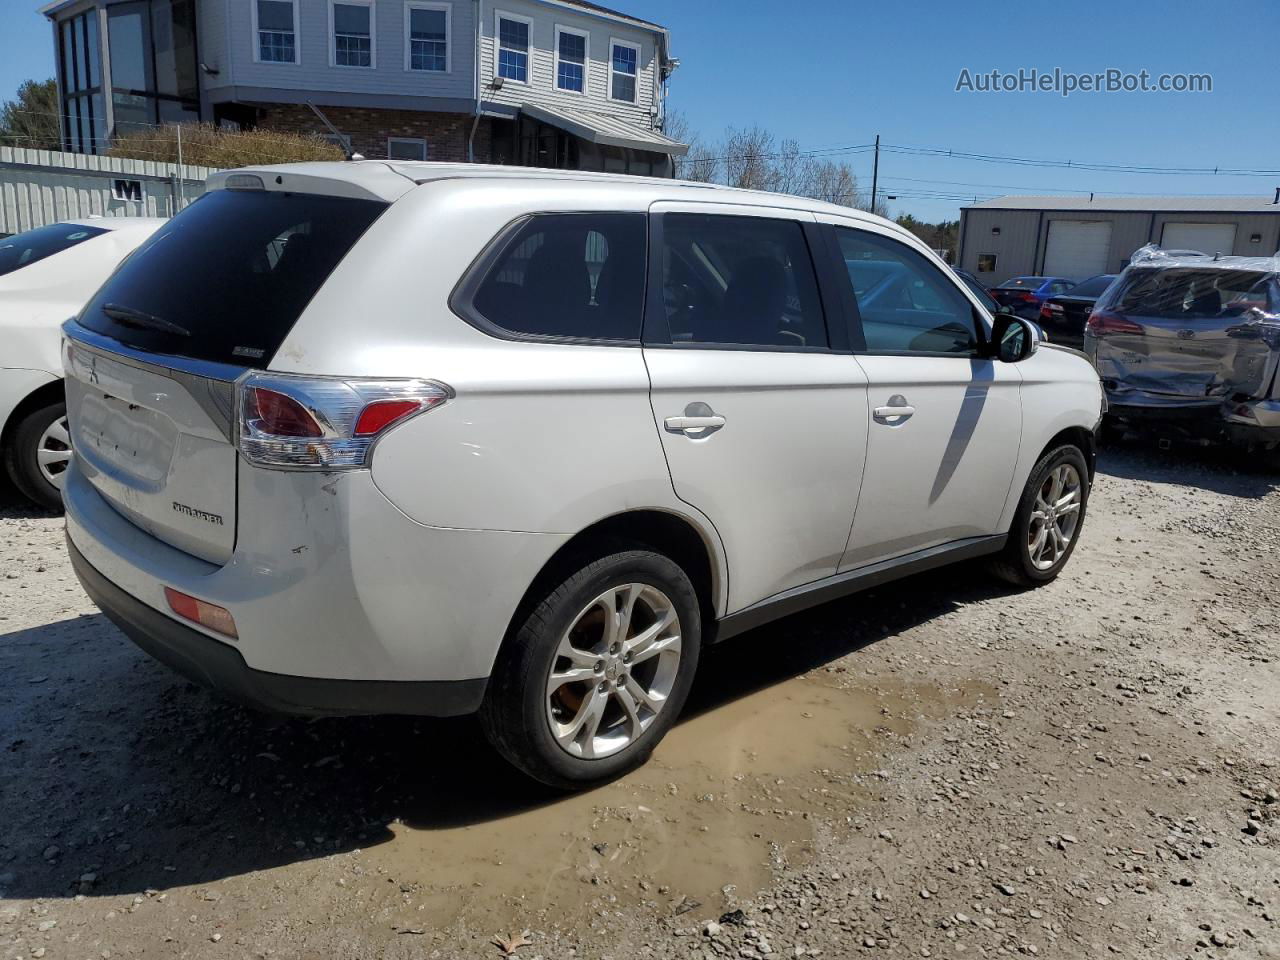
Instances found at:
x=895 y=412
x=699 y=421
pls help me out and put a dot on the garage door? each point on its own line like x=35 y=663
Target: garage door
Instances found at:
x=1207 y=238
x=1077 y=248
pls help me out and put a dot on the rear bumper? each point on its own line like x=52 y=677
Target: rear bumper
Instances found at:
x=219 y=666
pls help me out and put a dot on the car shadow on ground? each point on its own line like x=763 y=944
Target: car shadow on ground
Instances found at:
x=1218 y=469
x=115 y=767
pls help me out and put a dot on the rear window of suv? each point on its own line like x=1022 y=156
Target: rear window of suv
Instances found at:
x=1192 y=292
x=24 y=249
x=226 y=279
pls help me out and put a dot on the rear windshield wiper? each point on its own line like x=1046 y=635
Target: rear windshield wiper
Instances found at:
x=136 y=318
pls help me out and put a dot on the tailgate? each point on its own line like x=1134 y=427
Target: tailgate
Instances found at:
x=155 y=442
x=1189 y=357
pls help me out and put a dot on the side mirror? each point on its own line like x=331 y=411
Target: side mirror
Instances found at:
x=1013 y=338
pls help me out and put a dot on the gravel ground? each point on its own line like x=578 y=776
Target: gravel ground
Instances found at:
x=937 y=768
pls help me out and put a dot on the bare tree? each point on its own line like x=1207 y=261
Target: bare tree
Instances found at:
x=748 y=158
x=700 y=162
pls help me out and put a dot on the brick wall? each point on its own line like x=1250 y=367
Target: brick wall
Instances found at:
x=446 y=133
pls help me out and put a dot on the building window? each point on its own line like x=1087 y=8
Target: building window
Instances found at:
x=153 y=71
x=624 y=62
x=571 y=60
x=276 y=27
x=986 y=263
x=406 y=148
x=352 y=25
x=427 y=27
x=84 y=123
x=513 y=47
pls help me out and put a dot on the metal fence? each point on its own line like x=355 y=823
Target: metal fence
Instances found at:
x=38 y=187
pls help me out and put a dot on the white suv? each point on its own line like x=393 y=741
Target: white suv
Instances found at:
x=414 y=438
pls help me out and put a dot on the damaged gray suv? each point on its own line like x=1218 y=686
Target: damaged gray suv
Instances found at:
x=1187 y=347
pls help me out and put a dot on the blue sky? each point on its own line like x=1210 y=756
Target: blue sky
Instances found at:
x=833 y=72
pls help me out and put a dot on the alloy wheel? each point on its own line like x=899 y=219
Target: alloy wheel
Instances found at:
x=53 y=452
x=613 y=670
x=1055 y=516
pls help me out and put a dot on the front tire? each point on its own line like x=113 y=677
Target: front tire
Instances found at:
x=38 y=455
x=596 y=674
x=1047 y=524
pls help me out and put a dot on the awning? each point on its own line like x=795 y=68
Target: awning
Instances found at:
x=605 y=130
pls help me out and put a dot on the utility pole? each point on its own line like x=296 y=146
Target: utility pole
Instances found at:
x=875 y=175
x=182 y=175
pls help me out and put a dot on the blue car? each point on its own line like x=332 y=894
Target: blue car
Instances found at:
x=1025 y=295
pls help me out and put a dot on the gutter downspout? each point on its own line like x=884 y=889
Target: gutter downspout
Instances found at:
x=475 y=124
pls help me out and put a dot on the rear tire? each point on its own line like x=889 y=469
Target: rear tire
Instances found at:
x=38 y=453
x=1047 y=524
x=596 y=674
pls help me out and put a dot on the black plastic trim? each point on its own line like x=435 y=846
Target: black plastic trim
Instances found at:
x=220 y=667
x=863 y=578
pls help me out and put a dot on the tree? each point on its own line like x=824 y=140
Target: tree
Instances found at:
x=31 y=118
x=753 y=159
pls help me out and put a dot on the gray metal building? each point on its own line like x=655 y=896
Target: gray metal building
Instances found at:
x=1079 y=237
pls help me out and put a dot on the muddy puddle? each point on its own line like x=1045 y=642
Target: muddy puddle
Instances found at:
x=731 y=795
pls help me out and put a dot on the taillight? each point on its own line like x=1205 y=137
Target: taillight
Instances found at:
x=206 y=614
x=279 y=414
x=1103 y=323
x=1028 y=297
x=324 y=423
x=1045 y=312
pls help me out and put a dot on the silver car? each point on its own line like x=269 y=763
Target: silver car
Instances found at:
x=1187 y=346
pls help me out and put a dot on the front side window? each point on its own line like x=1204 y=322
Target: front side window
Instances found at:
x=739 y=280
x=277 y=31
x=571 y=60
x=574 y=275
x=27 y=248
x=352 y=34
x=428 y=37
x=906 y=303
x=405 y=148
x=623 y=70
x=513 y=49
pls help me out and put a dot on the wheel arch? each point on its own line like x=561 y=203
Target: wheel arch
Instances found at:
x=694 y=548
x=1077 y=436
x=52 y=391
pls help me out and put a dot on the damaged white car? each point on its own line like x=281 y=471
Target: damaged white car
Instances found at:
x=1187 y=347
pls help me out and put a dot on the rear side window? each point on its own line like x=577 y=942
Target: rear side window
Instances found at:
x=226 y=279
x=906 y=304
x=27 y=248
x=573 y=275
x=739 y=280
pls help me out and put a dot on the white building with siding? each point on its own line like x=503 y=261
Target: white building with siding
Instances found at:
x=557 y=83
x=1079 y=237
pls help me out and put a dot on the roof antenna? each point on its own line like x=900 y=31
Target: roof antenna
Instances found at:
x=345 y=140
x=1091 y=196
x=1277 y=199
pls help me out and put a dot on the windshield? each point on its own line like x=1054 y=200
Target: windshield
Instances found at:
x=1093 y=287
x=226 y=279
x=1193 y=292
x=24 y=249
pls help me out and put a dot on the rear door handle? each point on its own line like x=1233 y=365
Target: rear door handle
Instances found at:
x=686 y=424
x=897 y=411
